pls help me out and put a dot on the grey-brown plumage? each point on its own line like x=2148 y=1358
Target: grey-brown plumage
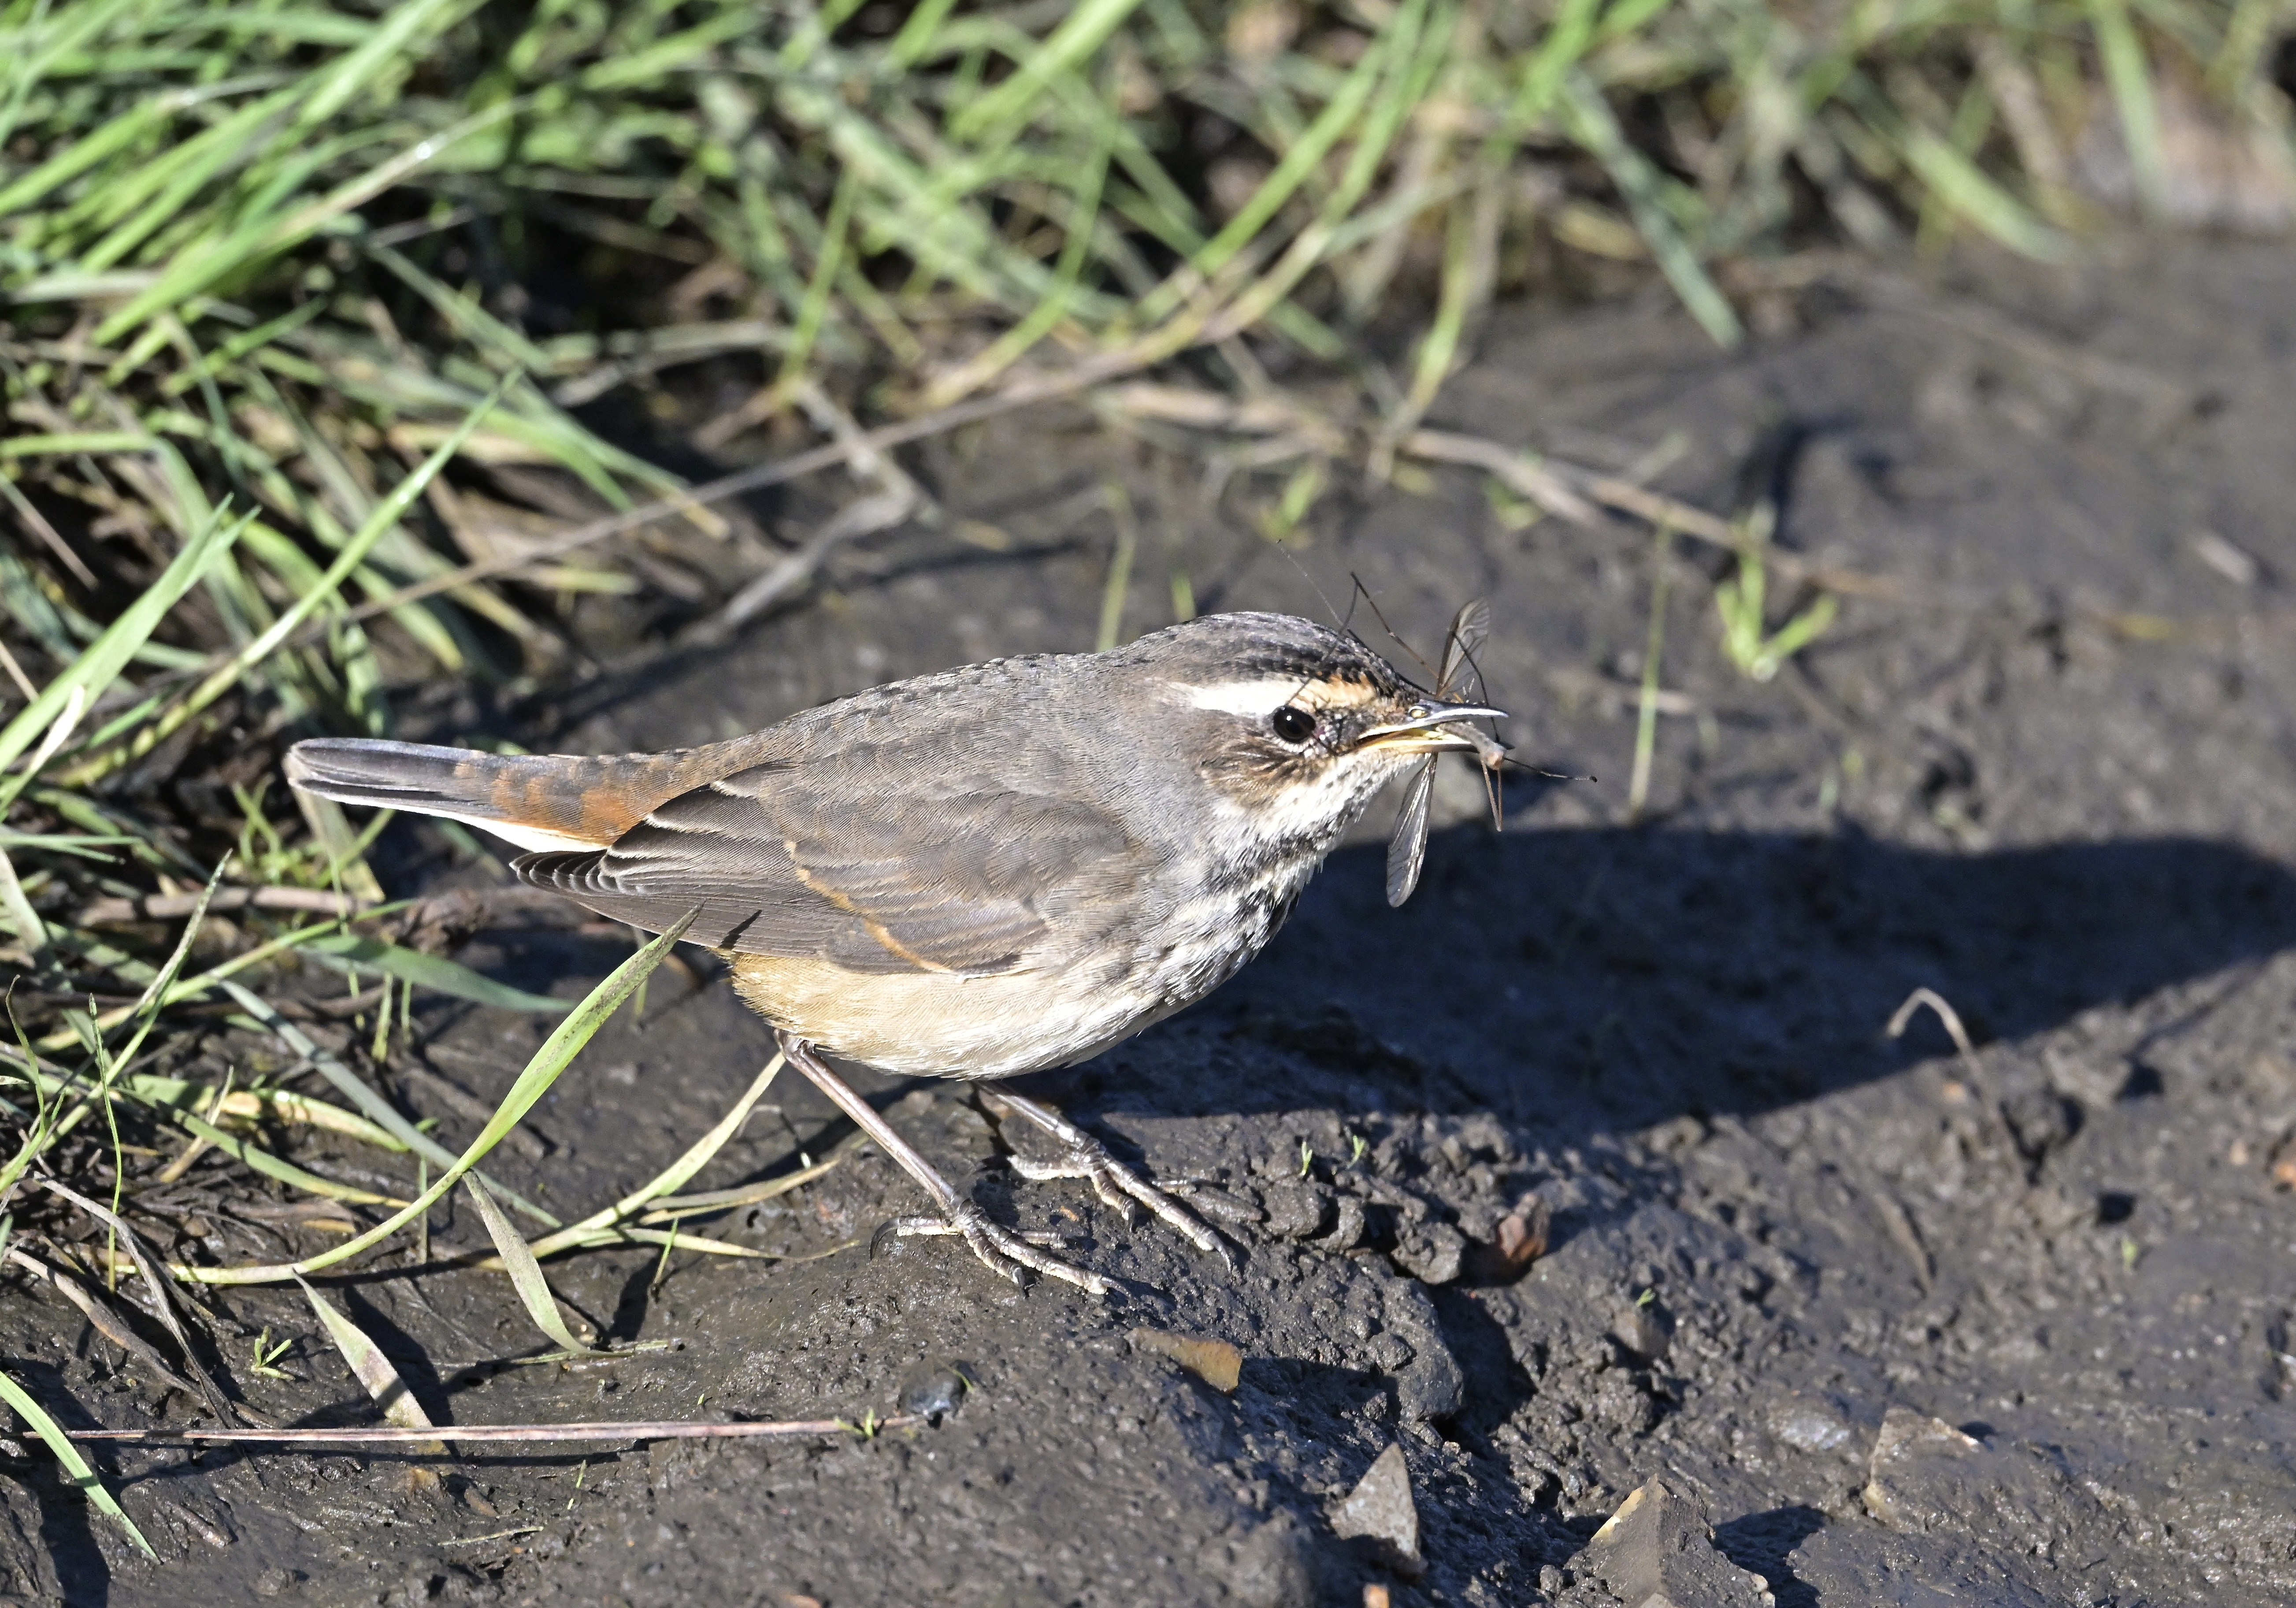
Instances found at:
x=974 y=874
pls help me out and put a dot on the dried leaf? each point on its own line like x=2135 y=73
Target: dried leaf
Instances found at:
x=1216 y=1363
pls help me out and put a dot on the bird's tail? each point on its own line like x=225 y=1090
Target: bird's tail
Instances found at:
x=534 y=801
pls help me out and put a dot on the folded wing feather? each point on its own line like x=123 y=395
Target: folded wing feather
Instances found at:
x=966 y=875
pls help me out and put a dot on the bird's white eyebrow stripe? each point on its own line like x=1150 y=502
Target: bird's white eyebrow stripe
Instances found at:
x=1262 y=695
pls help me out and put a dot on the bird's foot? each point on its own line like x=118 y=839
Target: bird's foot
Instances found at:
x=1001 y=1251
x=1079 y=1155
x=1004 y=1254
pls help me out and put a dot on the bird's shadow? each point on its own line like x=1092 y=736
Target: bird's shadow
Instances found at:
x=1582 y=981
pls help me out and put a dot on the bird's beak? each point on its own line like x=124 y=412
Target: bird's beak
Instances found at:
x=1421 y=730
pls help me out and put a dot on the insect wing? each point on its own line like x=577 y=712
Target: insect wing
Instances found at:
x=1406 y=850
x=1469 y=630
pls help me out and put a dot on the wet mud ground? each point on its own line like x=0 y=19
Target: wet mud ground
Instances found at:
x=1902 y=1325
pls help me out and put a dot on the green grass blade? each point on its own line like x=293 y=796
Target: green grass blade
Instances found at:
x=78 y=26
x=385 y=517
x=76 y=441
x=466 y=315
x=671 y=1179
x=163 y=1094
x=1964 y=187
x=46 y=1428
x=2131 y=82
x=1084 y=30
x=1305 y=156
x=173 y=181
x=1558 y=53
x=28 y=73
x=917 y=36
x=94 y=671
x=1414 y=71
x=89 y=152
x=1595 y=126
x=401 y=25
x=367 y=1360
x=524 y=1273
x=355 y=1090
x=1339 y=115
x=432 y=972
x=195 y=271
x=146 y=1009
x=31 y=932
x=556 y=1053
x=263 y=1161
x=666 y=56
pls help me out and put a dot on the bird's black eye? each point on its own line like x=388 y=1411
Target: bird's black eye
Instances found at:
x=1293 y=723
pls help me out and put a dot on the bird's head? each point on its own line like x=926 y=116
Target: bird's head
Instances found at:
x=1296 y=725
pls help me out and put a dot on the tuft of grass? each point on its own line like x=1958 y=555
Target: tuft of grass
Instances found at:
x=280 y=262
x=556 y=1053
x=1742 y=602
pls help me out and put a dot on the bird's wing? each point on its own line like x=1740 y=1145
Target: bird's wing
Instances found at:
x=842 y=863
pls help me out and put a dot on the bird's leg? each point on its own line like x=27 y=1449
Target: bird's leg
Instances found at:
x=1085 y=1157
x=1005 y=1252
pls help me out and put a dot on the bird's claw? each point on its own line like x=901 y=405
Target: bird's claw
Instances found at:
x=1007 y=1253
x=1118 y=1186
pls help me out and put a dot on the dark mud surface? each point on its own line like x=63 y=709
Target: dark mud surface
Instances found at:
x=2050 y=779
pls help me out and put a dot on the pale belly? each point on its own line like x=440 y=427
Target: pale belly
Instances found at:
x=941 y=1024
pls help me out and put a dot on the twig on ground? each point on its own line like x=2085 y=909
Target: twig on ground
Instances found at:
x=1936 y=1002
x=173 y=906
x=502 y=1434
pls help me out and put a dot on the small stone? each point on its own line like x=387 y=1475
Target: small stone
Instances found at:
x=1646 y=1329
x=1910 y=1482
x=1431 y=1252
x=1432 y=1389
x=933 y=1390
x=2040 y=1121
x=1809 y=1424
x=1379 y=1509
x=1216 y=1363
x=271 y=1582
x=1434 y=1385
x=1517 y=1240
x=1213 y=1201
x=1657 y=1551
x=1295 y=1209
x=1349 y=1231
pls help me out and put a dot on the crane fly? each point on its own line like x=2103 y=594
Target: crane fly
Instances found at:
x=1458 y=681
